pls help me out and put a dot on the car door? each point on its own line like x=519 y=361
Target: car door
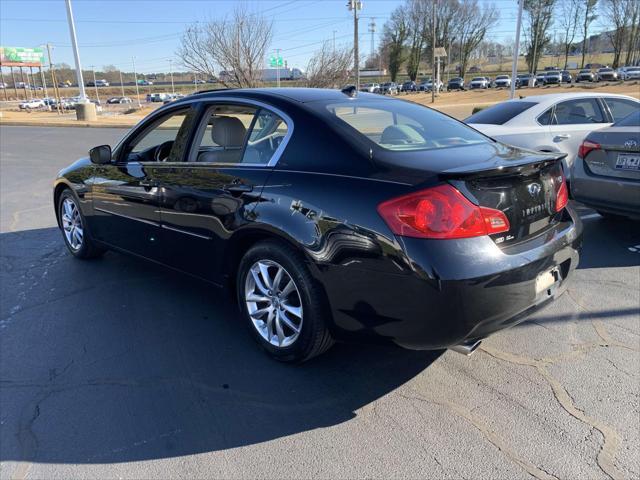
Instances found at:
x=571 y=121
x=212 y=195
x=126 y=193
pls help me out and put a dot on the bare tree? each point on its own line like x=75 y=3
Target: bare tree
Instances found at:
x=418 y=15
x=589 y=16
x=633 y=41
x=329 y=67
x=236 y=45
x=472 y=27
x=539 y=16
x=616 y=12
x=571 y=14
x=396 y=31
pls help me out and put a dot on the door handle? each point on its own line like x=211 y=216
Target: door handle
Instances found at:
x=561 y=136
x=238 y=188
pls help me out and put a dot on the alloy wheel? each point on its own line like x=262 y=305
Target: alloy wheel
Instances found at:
x=273 y=303
x=72 y=224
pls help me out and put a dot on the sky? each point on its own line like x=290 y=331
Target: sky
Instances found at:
x=112 y=32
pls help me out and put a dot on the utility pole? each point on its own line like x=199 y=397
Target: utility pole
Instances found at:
x=121 y=83
x=372 y=31
x=135 y=79
x=354 y=6
x=95 y=85
x=173 y=90
x=516 y=53
x=13 y=78
x=55 y=82
x=76 y=52
x=433 y=54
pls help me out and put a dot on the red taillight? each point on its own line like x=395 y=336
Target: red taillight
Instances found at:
x=586 y=147
x=440 y=212
x=562 y=197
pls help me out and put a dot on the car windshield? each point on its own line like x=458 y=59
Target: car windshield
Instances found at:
x=633 y=69
x=457 y=79
x=585 y=71
x=606 y=70
x=501 y=77
x=553 y=73
x=403 y=126
x=632 y=120
x=499 y=114
x=478 y=79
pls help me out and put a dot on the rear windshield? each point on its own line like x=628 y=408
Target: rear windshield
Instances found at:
x=499 y=114
x=404 y=126
x=632 y=120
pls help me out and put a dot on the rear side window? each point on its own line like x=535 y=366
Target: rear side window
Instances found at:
x=583 y=110
x=404 y=126
x=499 y=114
x=546 y=117
x=632 y=120
x=621 y=108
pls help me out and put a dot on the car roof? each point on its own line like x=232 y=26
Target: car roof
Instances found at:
x=556 y=97
x=301 y=95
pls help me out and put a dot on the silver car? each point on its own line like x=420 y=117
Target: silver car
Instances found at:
x=606 y=173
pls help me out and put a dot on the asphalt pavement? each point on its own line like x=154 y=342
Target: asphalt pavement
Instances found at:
x=117 y=368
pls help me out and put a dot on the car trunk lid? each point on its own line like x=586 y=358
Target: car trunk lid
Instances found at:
x=618 y=154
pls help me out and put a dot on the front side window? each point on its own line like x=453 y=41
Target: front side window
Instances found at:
x=584 y=110
x=164 y=141
x=621 y=108
x=239 y=134
x=403 y=126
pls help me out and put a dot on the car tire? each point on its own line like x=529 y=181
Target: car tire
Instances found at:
x=313 y=336
x=74 y=231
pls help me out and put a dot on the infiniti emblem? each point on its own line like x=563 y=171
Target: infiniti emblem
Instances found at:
x=534 y=189
x=631 y=143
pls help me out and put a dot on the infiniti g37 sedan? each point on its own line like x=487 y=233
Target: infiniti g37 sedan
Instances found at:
x=332 y=215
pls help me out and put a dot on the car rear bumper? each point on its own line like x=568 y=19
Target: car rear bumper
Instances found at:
x=458 y=291
x=609 y=194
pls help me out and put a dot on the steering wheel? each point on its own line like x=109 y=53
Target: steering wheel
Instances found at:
x=163 y=151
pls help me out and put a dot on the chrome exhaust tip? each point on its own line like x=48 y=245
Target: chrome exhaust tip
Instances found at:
x=466 y=348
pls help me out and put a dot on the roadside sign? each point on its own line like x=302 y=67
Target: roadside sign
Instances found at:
x=275 y=61
x=21 y=57
x=440 y=52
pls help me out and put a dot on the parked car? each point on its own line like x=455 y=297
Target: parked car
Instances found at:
x=606 y=173
x=198 y=81
x=172 y=98
x=157 y=97
x=389 y=88
x=370 y=88
x=335 y=231
x=540 y=79
x=456 y=83
x=409 y=86
x=503 y=81
x=629 y=73
x=3 y=85
x=585 y=75
x=145 y=83
x=566 y=76
x=478 y=82
x=119 y=100
x=550 y=68
x=552 y=77
x=607 y=74
x=428 y=85
x=554 y=122
x=31 y=104
x=523 y=80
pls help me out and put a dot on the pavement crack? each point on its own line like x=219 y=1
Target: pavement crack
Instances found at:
x=492 y=437
x=606 y=457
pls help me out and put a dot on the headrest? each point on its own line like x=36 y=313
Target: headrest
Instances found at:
x=227 y=131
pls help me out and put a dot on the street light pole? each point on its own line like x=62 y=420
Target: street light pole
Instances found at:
x=135 y=79
x=173 y=90
x=76 y=52
x=95 y=85
x=516 y=53
x=278 y=67
x=355 y=5
x=121 y=83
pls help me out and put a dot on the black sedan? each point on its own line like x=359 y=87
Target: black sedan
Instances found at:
x=332 y=215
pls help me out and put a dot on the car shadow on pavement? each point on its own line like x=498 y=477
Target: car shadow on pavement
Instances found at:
x=119 y=360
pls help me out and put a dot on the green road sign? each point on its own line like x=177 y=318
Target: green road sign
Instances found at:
x=275 y=61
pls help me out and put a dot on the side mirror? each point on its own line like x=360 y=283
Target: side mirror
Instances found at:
x=100 y=155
